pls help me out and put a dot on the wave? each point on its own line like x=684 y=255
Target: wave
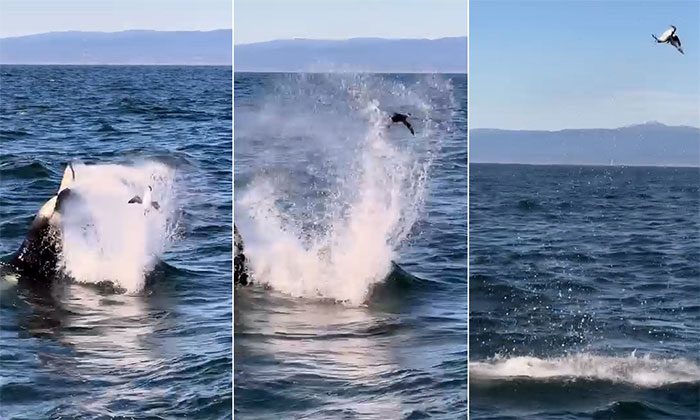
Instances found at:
x=105 y=239
x=644 y=371
x=333 y=230
x=24 y=170
x=141 y=107
x=13 y=134
x=106 y=127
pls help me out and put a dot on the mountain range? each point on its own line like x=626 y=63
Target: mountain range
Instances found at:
x=146 y=47
x=377 y=55
x=126 y=47
x=652 y=144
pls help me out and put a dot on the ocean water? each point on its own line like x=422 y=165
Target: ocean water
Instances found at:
x=155 y=341
x=584 y=292
x=327 y=196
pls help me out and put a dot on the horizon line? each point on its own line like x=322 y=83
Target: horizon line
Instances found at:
x=348 y=39
x=219 y=65
x=555 y=130
x=119 y=64
x=67 y=31
x=596 y=165
x=231 y=29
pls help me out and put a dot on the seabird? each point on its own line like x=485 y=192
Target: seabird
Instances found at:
x=402 y=118
x=670 y=37
x=146 y=199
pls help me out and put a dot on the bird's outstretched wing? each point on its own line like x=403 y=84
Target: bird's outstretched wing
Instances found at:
x=155 y=205
x=136 y=199
x=676 y=42
x=410 y=128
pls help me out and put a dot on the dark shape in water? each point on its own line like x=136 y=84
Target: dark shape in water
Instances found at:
x=240 y=271
x=37 y=257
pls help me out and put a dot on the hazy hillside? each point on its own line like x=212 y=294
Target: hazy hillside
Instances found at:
x=127 y=47
x=645 y=144
x=444 y=55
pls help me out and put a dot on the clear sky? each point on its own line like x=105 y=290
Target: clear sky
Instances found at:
x=264 y=20
x=582 y=64
x=25 y=17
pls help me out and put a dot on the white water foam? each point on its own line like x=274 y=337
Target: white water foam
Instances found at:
x=107 y=239
x=643 y=371
x=378 y=184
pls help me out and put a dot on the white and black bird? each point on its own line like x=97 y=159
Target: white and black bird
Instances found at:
x=670 y=37
x=146 y=200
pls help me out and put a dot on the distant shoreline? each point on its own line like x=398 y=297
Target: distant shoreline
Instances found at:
x=348 y=72
x=585 y=165
x=220 y=65
x=650 y=144
x=108 y=65
x=446 y=55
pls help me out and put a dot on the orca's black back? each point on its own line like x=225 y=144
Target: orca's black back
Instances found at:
x=37 y=258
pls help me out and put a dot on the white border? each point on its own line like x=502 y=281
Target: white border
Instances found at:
x=233 y=196
x=469 y=122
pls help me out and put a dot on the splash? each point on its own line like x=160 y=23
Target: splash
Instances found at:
x=642 y=371
x=328 y=222
x=105 y=239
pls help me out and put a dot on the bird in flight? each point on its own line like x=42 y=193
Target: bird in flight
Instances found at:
x=145 y=200
x=402 y=118
x=670 y=37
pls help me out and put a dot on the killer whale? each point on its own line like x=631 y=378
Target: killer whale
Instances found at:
x=240 y=270
x=37 y=258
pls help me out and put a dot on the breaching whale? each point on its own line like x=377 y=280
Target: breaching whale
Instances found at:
x=37 y=259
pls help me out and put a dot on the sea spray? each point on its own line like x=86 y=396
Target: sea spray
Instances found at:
x=106 y=239
x=332 y=230
x=643 y=371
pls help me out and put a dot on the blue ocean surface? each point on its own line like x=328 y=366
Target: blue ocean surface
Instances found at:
x=584 y=292
x=143 y=327
x=355 y=231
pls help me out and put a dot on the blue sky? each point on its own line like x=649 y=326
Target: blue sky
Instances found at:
x=264 y=20
x=582 y=64
x=24 y=17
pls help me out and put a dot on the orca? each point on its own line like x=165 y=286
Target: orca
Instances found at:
x=37 y=259
x=240 y=270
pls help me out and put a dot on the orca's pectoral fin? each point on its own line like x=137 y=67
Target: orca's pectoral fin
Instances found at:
x=155 y=205
x=409 y=126
x=136 y=199
x=68 y=177
x=655 y=38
